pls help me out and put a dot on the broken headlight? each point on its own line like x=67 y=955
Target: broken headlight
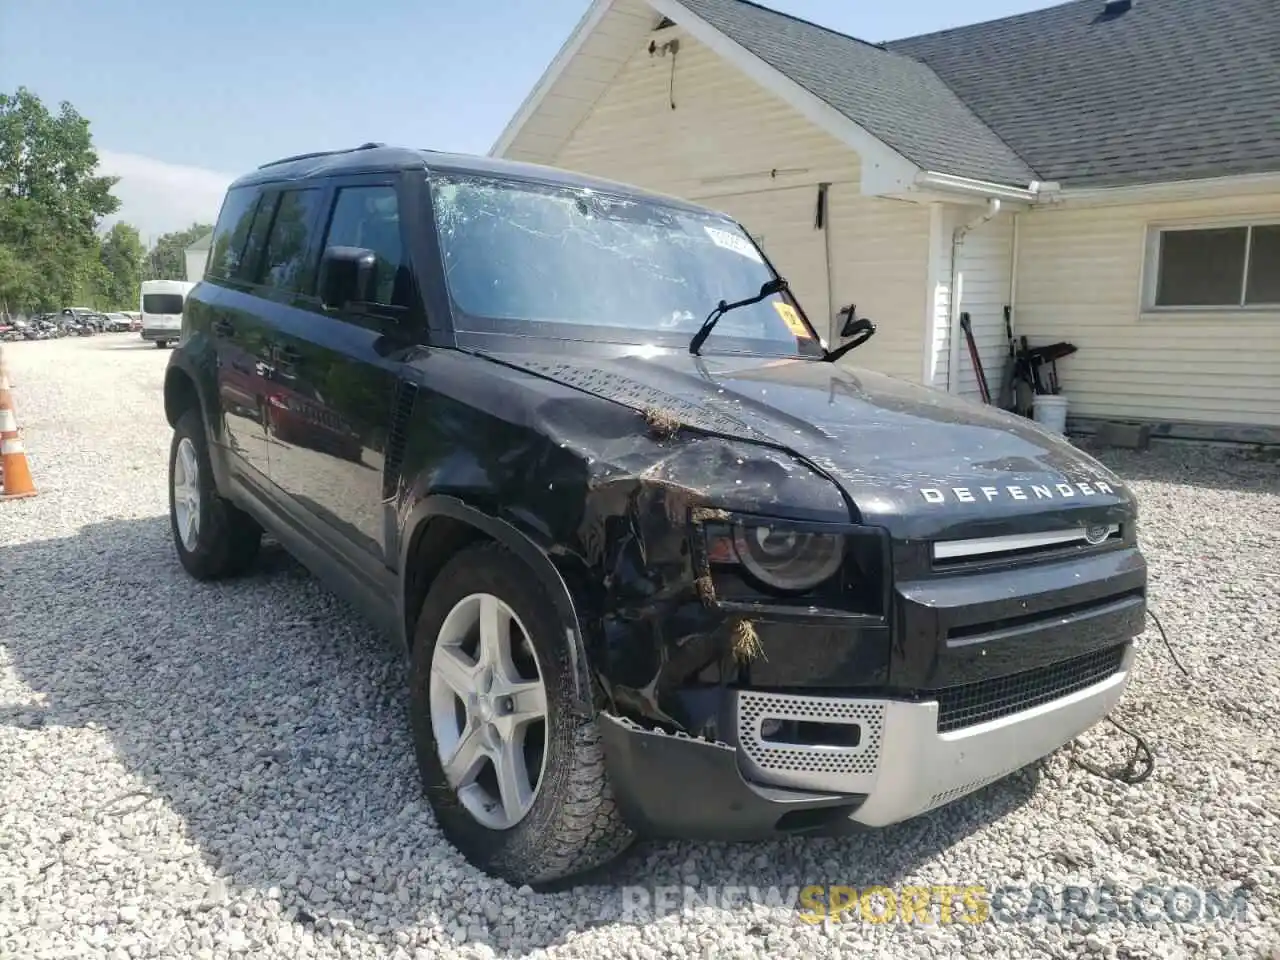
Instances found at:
x=778 y=556
x=817 y=566
x=787 y=559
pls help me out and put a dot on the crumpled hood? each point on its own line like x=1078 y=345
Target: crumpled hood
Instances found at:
x=909 y=457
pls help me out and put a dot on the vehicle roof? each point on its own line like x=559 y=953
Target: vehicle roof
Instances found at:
x=380 y=158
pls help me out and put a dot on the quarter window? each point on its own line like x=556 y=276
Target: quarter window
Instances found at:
x=287 y=259
x=232 y=232
x=369 y=217
x=1215 y=267
x=251 y=256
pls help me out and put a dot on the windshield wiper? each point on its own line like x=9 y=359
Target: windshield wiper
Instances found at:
x=768 y=289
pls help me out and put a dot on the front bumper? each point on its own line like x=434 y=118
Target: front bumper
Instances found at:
x=902 y=766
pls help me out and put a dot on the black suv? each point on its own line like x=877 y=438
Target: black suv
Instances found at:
x=656 y=575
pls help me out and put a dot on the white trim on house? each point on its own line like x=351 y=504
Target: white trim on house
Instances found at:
x=590 y=20
x=951 y=185
x=956 y=334
x=1165 y=190
x=1150 y=274
x=884 y=170
x=938 y=301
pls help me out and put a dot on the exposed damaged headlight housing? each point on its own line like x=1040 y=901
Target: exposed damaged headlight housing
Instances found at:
x=787 y=559
x=780 y=563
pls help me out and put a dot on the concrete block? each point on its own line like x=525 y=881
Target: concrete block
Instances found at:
x=1130 y=436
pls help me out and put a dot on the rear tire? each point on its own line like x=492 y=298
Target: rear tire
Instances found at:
x=213 y=537
x=574 y=824
x=161 y=344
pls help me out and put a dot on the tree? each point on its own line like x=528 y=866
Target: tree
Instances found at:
x=51 y=203
x=122 y=258
x=16 y=281
x=167 y=260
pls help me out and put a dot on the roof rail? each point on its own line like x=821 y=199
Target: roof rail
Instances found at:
x=321 y=153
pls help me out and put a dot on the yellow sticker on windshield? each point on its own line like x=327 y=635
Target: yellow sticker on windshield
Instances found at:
x=792 y=319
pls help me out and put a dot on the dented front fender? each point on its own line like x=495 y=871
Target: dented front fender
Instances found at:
x=611 y=498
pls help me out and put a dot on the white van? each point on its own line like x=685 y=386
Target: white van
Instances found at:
x=162 y=304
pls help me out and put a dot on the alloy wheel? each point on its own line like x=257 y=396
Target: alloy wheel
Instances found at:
x=186 y=493
x=488 y=705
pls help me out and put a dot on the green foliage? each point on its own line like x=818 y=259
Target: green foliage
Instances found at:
x=121 y=261
x=52 y=202
x=167 y=260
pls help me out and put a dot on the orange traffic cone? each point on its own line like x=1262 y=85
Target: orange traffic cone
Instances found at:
x=15 y=473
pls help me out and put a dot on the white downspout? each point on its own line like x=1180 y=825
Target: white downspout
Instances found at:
x=957 y=280
x=1013 y=275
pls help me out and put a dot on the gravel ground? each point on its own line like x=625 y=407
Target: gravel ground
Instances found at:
x=215 y=771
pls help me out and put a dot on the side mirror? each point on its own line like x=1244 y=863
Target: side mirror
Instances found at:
x=861 y=326
x=346 y=276
x=770 y=287
x=856 y=326
x=856 y=331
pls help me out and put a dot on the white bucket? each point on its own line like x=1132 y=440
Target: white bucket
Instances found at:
x=1051 y=411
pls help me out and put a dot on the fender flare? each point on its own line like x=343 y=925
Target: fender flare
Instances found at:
x=181 y=362
x=519 y=543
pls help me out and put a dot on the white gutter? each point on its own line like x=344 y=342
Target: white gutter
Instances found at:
x=1173 y=190
x=957 y=289
x=950 y=183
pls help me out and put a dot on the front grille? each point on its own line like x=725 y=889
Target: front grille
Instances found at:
x=1023 y=547
x=972 y=703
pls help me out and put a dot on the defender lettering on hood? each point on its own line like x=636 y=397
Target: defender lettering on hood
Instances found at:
x=1037 y=491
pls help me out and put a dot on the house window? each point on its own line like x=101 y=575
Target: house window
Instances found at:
x=1227 y=266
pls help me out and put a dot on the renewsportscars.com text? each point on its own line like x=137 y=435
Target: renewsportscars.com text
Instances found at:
x=949 y=904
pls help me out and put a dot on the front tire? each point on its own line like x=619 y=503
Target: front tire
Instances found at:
x=213 y=537
x=490 y=685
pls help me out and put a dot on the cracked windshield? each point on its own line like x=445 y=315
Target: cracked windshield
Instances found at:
x=573 y=264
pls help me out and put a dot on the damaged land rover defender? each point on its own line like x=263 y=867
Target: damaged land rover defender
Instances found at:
x=661 y=565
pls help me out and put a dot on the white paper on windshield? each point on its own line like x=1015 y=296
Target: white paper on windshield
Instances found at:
x=730 y=241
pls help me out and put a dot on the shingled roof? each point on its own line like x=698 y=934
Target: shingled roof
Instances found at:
x=897 y=99
x=1162 y=90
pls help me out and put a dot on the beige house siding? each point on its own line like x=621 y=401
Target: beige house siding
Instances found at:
x=1080 y=276
x=985 y=259
x=733 y=145
x=880 y=249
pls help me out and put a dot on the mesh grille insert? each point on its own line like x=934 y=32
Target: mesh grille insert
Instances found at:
x=782 y=759
x=972 y=703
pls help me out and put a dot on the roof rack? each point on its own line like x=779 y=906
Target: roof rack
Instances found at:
x=321 y=153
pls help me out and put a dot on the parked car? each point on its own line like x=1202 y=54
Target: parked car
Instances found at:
x=654 y=575
x=118 y=323
x=81 y=318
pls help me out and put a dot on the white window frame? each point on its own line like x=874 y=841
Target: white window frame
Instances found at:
x=1151 y=265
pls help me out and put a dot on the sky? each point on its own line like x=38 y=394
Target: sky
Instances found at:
x=184 y=97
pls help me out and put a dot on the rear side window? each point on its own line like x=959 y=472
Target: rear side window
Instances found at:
x=251 y=258
x=287 y=262
x=231 y=232
x=162 y=303
x=369 y=217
